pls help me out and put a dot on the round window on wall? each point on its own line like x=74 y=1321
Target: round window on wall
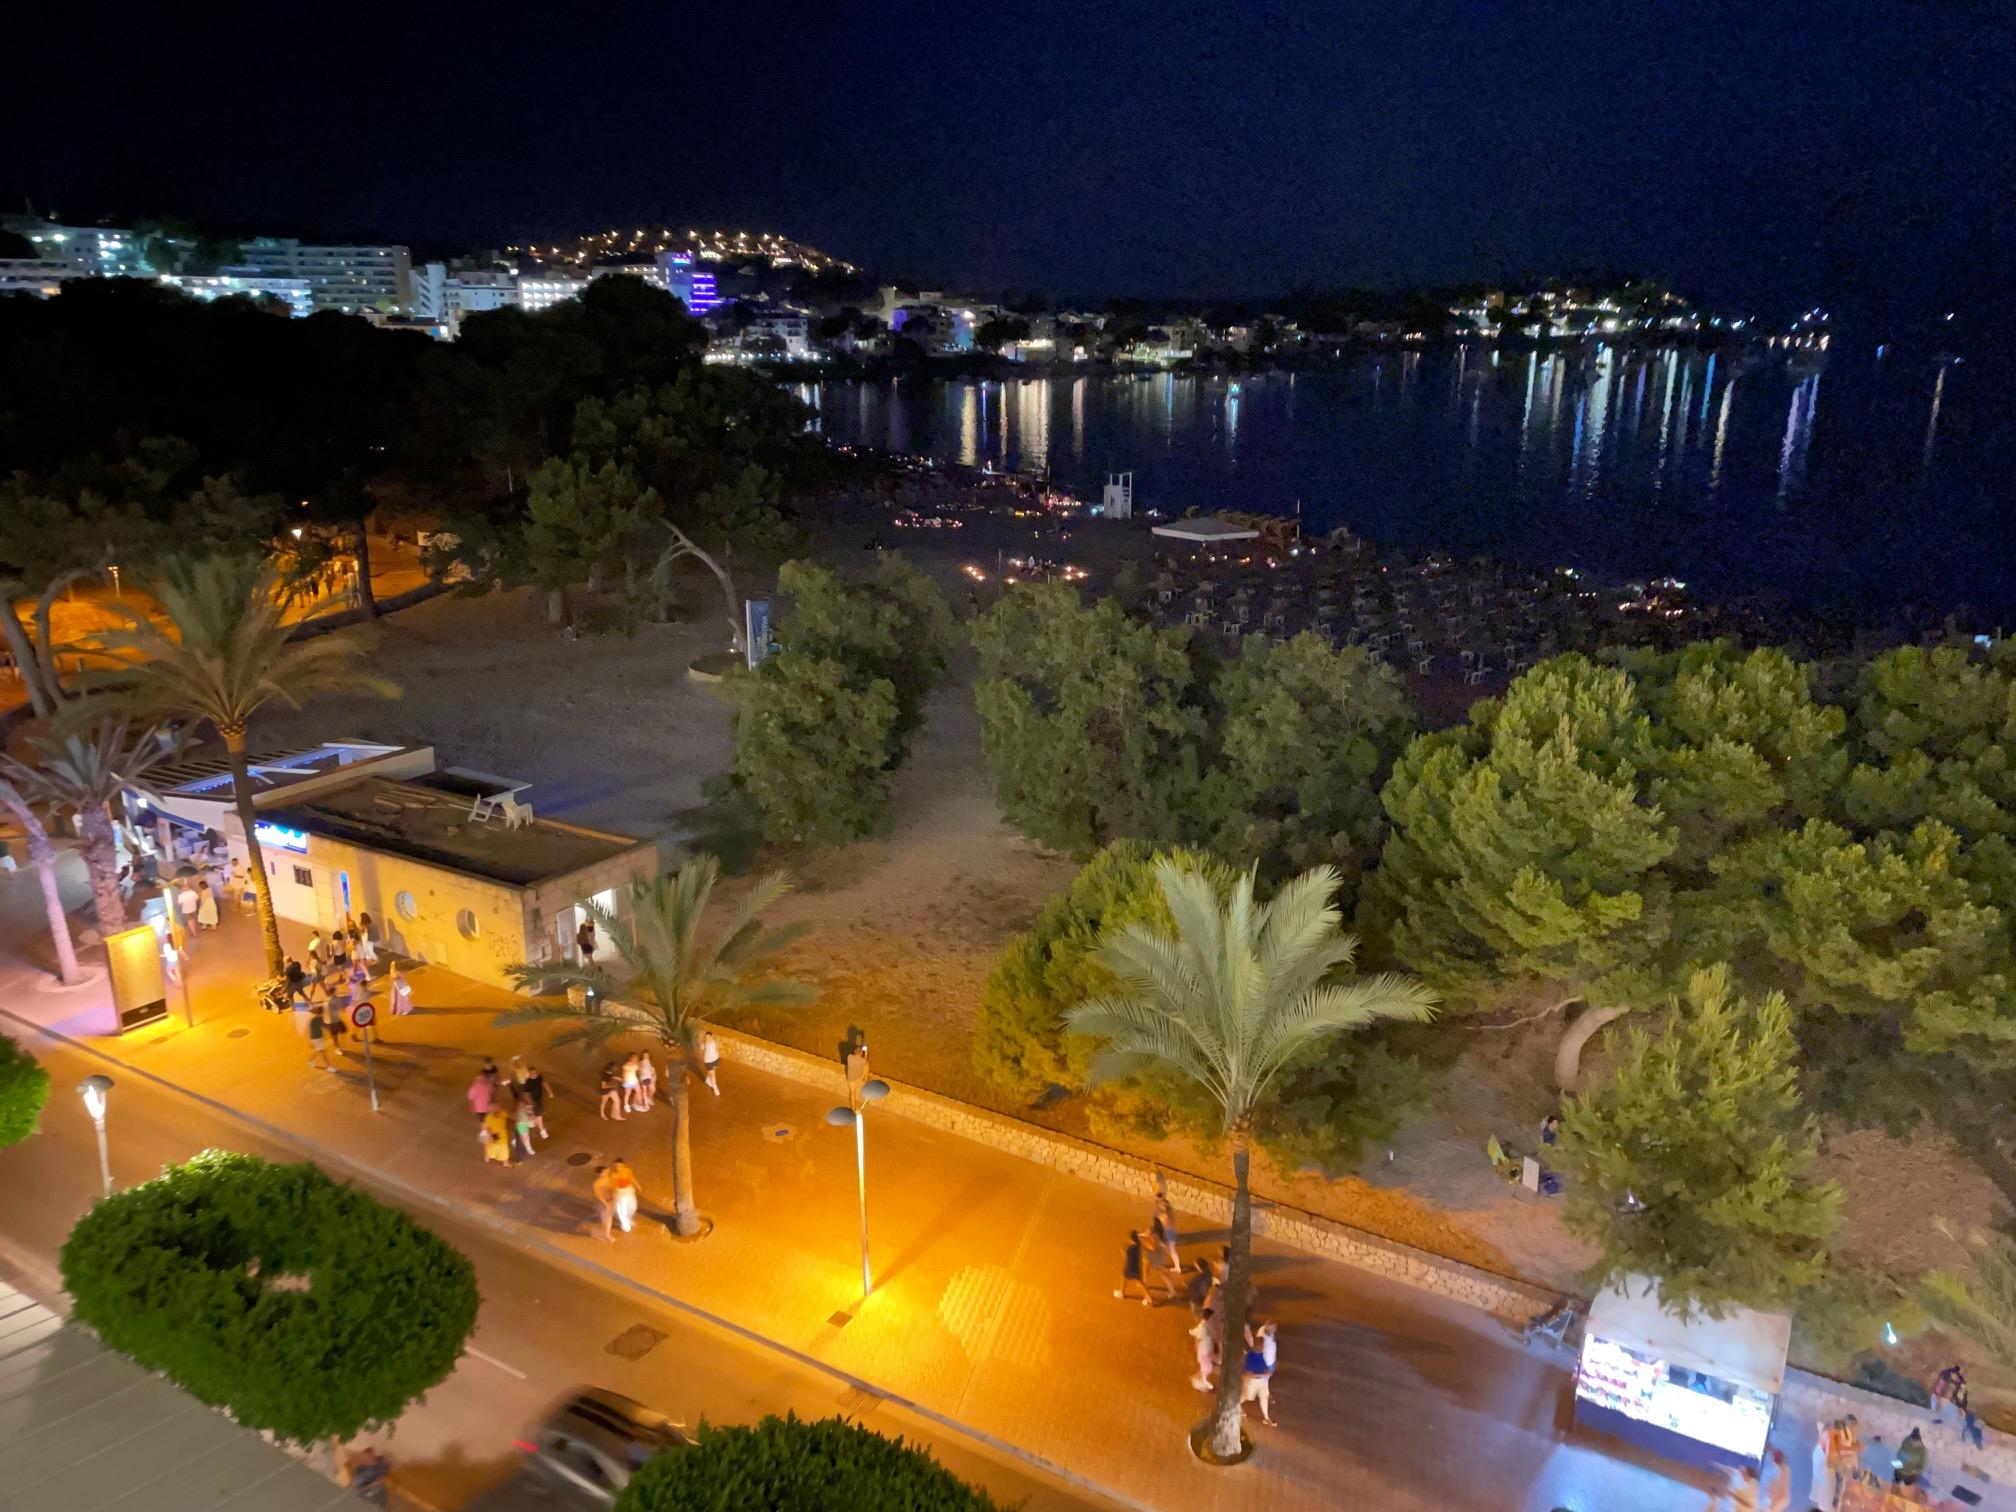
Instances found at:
x=465 y=921
x=408 y=909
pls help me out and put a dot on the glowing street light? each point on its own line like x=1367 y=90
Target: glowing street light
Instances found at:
x=873 y=1090
x=93 y=1089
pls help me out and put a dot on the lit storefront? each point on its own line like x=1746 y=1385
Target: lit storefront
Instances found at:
x=1698 y=1389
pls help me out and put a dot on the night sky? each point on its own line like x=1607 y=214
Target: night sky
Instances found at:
x=1856 y=154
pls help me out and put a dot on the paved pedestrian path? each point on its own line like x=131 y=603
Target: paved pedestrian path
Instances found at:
x=993 y=1305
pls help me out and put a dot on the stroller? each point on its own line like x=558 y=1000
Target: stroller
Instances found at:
x=274 y=996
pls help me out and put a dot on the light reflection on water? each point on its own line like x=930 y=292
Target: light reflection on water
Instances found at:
x=1724 y=466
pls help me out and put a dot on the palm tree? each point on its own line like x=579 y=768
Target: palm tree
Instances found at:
x=42 y=856
x=1227 y=1000
x=226 y=652
x=672 y=979
x=86 y=770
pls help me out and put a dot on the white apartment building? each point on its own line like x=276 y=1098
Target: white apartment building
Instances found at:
x=41 y=276
x=94 y=251
x=541 y=291
x=792 y=332
x=445 y=294
x=350 y=279
x=296 y=293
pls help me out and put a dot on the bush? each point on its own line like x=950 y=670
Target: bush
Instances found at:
x=812 y=749
x=789 y=1465
x=299 y=1305
x=24 y=1088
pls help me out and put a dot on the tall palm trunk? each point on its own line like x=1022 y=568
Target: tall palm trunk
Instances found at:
x=1226 y=1412
x=367 y=596
x=262 y=887
x=42 y=856
x=685 y=1215
x=101 y=859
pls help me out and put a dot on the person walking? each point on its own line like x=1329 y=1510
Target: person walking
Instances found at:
x=171 y=962
x=315 y=959
x=1207 y=1351
x=1257 y=1373
x=363 y=947
x=1162 y=1228
x=616 y=1190
x=318 y=1041
x=1940 y=1388
x=339 y=952
x=1742 y=1493
x=1844 y=1456
x=1203 y=1282
x=400 y=991
x=533 y=1086
x=523 y=1119
x=206 y=906
x=1130 y=1270
x=495 y=1133
x=483 y=1089
x=612 y=1093
x=631 y=1077
x=186 y=904
x=336 y=1019
x=710 y=1061
x=584 y=941
x=1822 y=1492
x=1778 y=1493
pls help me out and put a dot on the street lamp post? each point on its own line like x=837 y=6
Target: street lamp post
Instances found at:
x=858 y=1098
x=93 y=1089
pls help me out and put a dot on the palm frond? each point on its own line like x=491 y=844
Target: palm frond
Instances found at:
x=1229 y=996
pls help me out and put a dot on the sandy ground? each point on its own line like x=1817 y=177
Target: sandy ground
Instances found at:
x=904 y=927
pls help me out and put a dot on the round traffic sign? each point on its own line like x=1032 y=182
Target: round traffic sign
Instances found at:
x=362 y=1015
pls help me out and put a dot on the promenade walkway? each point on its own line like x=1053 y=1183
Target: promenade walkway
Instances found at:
x=993 y=1307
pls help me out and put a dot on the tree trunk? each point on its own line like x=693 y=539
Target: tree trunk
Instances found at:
x=1568 y=1054
x=42 y=856
x=682 y=545
x=23 y=651
x=1226 y=1413
x=52 y=676
x=367 y=596
x=101 y=859
x=685 y=1215
x=262 y=885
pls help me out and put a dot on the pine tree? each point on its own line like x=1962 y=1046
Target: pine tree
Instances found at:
x=1527 y=850
x=1694 y=1163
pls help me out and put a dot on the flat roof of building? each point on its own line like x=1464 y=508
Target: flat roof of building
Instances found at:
x=206 y=772
x=421 y=821
x=1206 y=529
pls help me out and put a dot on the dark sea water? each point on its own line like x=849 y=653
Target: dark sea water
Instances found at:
x=1845 y=484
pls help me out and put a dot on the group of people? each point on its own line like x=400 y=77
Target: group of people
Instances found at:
x=1837 y=1452
x=1156 y=1249
x=336 y=979
x=509 y=1110
x=631 y=1084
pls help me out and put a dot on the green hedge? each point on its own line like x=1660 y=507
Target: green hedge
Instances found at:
x=789 y=1465
x=24 y=1088
x=302 y=1306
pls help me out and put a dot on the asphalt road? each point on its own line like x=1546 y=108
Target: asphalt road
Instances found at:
x=543 y=1331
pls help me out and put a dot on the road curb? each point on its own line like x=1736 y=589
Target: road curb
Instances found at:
x=518 y=1235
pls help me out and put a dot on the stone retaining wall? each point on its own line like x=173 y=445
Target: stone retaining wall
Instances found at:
x=1512 y=1301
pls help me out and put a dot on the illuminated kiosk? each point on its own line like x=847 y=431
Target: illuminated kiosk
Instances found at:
x=1698 y=1389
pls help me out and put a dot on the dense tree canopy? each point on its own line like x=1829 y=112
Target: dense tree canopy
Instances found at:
x=24 y=1088
x=788 y=1465
x=306 y=1308
x=1693 y=1164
